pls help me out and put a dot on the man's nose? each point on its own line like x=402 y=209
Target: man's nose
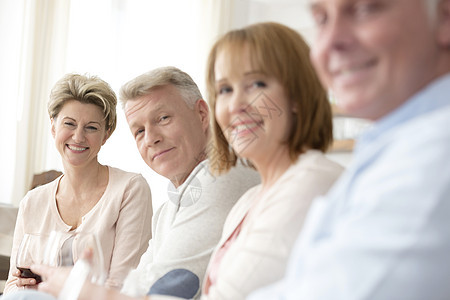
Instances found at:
x=152 y=137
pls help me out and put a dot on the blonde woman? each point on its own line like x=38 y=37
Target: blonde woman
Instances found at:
x=113 y=204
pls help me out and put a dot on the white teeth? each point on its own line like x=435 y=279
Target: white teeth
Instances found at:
x=242 y=127
x=345 y=72
x=76 y=148
x=355 y=68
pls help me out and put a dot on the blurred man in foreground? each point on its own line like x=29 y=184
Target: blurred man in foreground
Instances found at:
x=383 y=231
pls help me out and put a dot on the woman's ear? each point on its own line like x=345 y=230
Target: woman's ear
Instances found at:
x=106 y=137
x=294 y=108
x=203 y=111
x=52 y=129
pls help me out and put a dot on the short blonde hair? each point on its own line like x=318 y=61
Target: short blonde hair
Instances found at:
x=279 y=52
x=85 y=89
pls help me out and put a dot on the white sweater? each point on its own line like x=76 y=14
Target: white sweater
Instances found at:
x=185 y=231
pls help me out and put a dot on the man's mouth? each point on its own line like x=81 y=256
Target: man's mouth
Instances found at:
x=161 y=153
x=348 y=70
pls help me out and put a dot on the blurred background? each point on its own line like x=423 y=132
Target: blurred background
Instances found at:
x=41 y=40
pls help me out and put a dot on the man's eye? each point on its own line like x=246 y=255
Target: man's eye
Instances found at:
x=320 y=18
x=163 y=118
x=366 y=8
x=138 y=132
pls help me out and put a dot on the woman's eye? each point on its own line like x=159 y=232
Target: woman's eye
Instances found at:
x=70 y=124
x=91 y=128
x=224 y=90
x=259 y=84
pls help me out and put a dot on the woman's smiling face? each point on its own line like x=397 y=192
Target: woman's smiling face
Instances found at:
x=251 y=108
x=79 y=132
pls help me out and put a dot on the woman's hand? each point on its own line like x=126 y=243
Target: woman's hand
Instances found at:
x=53 y=278
x=29 y=283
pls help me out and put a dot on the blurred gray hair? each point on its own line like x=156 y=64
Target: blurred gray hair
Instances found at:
x=432 y=8
x=145 y=83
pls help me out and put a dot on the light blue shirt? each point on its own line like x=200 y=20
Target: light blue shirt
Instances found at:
x=383 y=231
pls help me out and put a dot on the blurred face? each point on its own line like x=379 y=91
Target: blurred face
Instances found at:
x=170 y=136
x=79 y=132
x=373 y=54
x=251 y=109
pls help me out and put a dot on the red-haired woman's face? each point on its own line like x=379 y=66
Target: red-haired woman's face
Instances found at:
x=251 y=109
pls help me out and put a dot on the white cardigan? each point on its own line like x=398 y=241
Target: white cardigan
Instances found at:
x=259 y=254
x=121 y=219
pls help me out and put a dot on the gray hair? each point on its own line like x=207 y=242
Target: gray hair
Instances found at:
x=432 y=9
x=145 y=83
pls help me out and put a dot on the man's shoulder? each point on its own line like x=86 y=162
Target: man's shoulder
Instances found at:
x=237 y=175
x=225 y=189
x=241 y=173
x=418 y=148
x=426 y=131
x=413 y=138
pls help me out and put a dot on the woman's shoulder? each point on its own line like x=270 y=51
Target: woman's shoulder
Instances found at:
x=317 y=161
x=40 y=196
x=311 y=172
x=120 y=174
x=121 y=181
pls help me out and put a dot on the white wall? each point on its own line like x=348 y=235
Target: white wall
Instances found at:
x=10 y=37
x=121 y=47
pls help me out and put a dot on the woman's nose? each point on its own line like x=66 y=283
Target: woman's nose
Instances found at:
x=79 y=136
x=238 y=102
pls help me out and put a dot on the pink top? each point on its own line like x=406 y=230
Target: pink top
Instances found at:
x=121 y=219
x=216 y=260
x=259 y=251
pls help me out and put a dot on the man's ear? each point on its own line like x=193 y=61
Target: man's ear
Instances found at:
x=52 y=129
x=203 y=110
x=444 y=23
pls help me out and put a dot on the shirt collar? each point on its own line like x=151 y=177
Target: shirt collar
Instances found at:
x=434 y=96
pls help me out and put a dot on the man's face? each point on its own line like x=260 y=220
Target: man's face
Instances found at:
x=374 y=54
x=170 y=136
